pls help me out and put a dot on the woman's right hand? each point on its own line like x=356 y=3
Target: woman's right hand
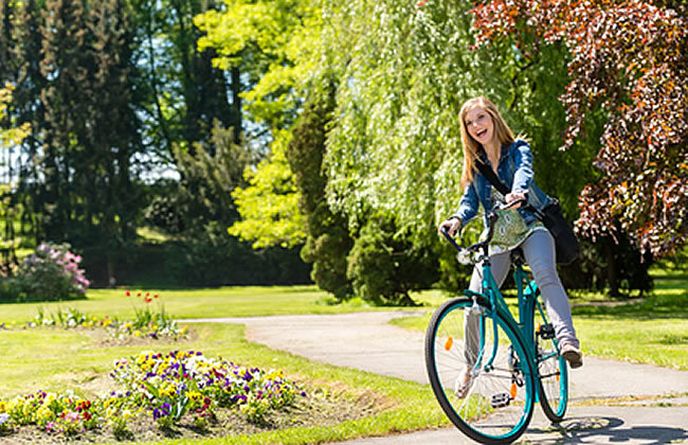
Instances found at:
x=451 y=225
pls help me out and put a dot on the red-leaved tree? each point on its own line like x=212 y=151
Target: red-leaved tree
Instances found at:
x=631 y=60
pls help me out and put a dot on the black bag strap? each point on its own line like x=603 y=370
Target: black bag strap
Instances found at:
x=491 y=176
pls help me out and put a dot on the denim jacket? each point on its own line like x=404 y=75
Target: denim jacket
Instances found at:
x=516 y=171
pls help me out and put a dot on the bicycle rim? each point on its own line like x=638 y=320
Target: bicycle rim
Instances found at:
x=499 y=400
x=552 y=372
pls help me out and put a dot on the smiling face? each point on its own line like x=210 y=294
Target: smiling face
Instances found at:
x=479 y=125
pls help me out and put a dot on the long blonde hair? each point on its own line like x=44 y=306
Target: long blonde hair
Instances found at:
x=471 y=147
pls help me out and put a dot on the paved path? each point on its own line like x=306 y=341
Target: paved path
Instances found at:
x=366 y=341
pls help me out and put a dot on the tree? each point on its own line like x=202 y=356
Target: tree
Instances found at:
x=328 y=242
x=11 y=134
x=628 y=61
x=90 y=133
x=269 y=204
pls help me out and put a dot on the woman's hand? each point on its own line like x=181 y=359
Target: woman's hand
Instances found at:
x=511 y=197
x=452 y=225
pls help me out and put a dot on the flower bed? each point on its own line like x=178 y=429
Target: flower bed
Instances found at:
x=147 y=322
x=155 y=388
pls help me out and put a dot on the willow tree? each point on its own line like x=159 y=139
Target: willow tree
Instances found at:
x=393 y=153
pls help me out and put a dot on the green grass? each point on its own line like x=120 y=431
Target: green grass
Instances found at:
x=652 y=331
x=37 y=359
x=199 y=303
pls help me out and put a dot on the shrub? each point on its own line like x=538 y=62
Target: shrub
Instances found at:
x=52 y=272
x=384 y=267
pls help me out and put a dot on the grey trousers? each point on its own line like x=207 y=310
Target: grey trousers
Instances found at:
x=539 y=253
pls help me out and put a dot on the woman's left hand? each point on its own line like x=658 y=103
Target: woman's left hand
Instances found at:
x=511 y=197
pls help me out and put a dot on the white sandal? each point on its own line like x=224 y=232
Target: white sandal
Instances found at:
x=463 y=384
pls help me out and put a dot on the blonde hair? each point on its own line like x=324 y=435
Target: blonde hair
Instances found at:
x=471 y=147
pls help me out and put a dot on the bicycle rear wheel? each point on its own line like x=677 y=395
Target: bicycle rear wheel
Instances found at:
x=553 y=381
x=495 y=407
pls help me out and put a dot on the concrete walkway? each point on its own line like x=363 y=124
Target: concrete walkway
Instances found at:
x=366 y=341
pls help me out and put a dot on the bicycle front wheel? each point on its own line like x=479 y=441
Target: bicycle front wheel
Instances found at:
x=479 y=372
x=553 y=381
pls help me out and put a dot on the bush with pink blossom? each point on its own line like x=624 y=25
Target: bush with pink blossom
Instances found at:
x=52 y=272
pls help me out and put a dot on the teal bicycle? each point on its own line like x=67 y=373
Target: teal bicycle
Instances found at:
x=487 y=370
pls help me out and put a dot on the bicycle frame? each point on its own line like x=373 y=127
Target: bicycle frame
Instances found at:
x=527 y=304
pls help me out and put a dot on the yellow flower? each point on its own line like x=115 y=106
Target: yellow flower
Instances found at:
x=168 y=389
x=194 y=396
x=43 y=414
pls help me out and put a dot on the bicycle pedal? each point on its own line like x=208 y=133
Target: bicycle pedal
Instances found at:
x=500 y=400
x=546 y=331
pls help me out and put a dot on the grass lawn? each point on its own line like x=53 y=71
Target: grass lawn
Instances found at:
x=653 y=331
x=199 y=303
x=52 y=359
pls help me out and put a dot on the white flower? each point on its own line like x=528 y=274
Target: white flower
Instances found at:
x=4 y=417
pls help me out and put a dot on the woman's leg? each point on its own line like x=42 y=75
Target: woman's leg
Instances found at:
x=500 y=267
x=539 y=251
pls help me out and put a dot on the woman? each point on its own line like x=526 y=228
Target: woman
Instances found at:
x=487 y=138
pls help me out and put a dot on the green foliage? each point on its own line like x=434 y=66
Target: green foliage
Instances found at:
x=384 y=268
x=281 y=41
x=15 y=133
x=394 y=144
x=269 y=205
x=328 y=242
x=208 y=176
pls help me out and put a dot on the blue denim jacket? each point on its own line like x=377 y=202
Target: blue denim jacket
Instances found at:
x=516 y=171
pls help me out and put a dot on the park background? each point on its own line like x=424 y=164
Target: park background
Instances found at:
x=173 y=147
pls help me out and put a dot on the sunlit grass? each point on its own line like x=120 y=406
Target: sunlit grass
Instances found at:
x=234 y=301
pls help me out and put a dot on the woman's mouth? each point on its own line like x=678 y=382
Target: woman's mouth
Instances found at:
x=481 y=133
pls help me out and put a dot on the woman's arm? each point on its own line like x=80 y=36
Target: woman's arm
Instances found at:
x=523 y=161
x=468 y=206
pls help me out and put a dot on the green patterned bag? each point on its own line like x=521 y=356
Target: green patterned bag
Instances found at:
x=510 y=230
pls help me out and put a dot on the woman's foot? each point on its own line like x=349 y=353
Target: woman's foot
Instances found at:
x=571 y=354
x=463 y=384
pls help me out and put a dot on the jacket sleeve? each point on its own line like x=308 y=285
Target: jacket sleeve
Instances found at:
x=523 y=162
x=468 y=206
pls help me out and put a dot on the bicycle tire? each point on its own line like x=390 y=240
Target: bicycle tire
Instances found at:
x=552 y=372
x=446 y=357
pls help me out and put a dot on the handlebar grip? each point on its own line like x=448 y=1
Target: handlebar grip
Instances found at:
x=451 y=239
